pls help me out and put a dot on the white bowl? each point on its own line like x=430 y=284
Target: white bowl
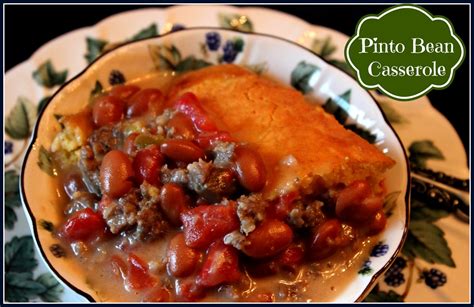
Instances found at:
x=278 y=58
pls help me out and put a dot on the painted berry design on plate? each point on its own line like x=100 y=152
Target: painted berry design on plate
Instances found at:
x=395 y=280
x=394 y=276
x=379 y=250
x=8 y=147
x=177 y=27
x=213 y=41
x=434 y=278
x=230 y=53
x=116 y=77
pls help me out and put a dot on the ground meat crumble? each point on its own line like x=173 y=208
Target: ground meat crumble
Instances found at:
x=223 y=153
x=137 y=211
x=305 y=215
x=250 y=210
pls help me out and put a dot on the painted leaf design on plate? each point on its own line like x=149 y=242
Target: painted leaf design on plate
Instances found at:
x=366 y=268
x=339 y=106
x=235 y=21
x=420 y=211
x=164 y=57
x=377 y=295
x=363 y=133
x=258 y=68
x=47 y=76
x=191 y=63
x=97 y=91
x=19 y=255
x=150 y=31
x=323 y=47
x=94 y=48
x=421 y=151
x=46 y=162
x=390 y=202
x=20 y=286
x=426 y=240
x=12 y=198
x=303 y=76
x=21 y=119
x=42 y=103
x=392 y=115
x=53 y=288
x=343 y=66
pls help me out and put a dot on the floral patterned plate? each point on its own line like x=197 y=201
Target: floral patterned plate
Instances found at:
x=431 y=140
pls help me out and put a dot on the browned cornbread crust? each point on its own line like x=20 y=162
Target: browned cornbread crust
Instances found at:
x=279 y=122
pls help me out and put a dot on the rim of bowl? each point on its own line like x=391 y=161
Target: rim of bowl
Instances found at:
x=34 y=135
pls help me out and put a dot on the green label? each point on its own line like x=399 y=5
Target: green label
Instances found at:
x=405 y=52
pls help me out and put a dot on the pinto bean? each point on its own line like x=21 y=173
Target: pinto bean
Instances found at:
x=129 y=146
x=250 y=168
x=173 y=202
x=147 y=100
x=182 y=260
x=115 y=173
x=181 y=150
x=220 y=183
x=107 y=110
x=355 y=202
x=73 y=183
x=268 y=239
x=327 y=239
x=147 y=164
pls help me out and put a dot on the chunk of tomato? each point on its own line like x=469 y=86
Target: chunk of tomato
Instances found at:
x=124 y=91
x=160 y=294
x=84 y=225
x=208 y=139
x=207 y=223
x=189 y=105
x=138 y=276
x=328 y=238
x=283 y=205
x=221 y=266
x=291 y=258
x=188 y=290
